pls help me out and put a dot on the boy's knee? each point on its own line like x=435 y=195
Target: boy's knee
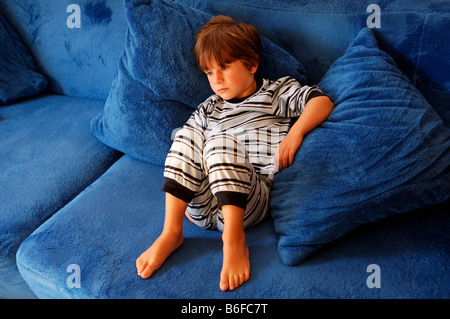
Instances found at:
x=188 y=143
x=224 y=148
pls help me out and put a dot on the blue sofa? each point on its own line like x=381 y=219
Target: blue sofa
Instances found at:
x=92 y=90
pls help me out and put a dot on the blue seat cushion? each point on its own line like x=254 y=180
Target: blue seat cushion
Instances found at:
x=106 y=227
x=383 y=151
x=48 y=155
x=158 y=84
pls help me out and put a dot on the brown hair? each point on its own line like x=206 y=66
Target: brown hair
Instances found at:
x=223 y=41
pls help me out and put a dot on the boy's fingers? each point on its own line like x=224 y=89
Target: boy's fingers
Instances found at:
x=291 y=159
x=286 y=159
x=283 y=160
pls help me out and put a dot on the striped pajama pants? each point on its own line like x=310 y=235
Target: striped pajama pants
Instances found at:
x=211 y=173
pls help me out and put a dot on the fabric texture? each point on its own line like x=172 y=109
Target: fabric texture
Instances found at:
x=75 y=44
x=113 y=221
x=49 y=157
x=383 y=151
x=158 y=84
x=19 y=74
x=46 y=158
x=318 y=33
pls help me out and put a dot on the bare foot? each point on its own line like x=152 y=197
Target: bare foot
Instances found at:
x=236 y=265
x=154 y=257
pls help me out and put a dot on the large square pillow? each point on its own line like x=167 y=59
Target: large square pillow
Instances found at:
x=19 y=74
x=158 y=84
x=383 y=151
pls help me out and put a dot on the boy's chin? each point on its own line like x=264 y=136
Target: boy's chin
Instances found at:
x=226 y=96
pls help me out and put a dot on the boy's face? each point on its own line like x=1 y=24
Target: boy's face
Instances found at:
x=233 y=81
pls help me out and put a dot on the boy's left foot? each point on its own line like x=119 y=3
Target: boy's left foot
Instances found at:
x=236 y=265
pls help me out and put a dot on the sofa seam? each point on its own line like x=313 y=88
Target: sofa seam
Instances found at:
x=419 y=51
x=38 y=274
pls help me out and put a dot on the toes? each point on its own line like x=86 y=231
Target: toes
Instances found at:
x=236 y=281
x=143 y=269
x=139 y=266
x=225 y=282
x=146 y=273
x=246 y=276
x=231 y=282
x=242 y=279
x=224 y=285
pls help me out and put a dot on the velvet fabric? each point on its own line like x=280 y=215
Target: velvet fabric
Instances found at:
x=12 y=284
x=158 y=84
x=383 y=151
x=76 y=44
x=106 y=227
x=47 y=156
x=318 y=33
x=49 y=159
x=19 y=74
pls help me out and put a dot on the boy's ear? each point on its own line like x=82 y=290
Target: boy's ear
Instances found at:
x=254 y=68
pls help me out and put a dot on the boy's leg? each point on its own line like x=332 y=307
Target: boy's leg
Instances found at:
x=242 y=201
x=170 y=239
x=183 y=175
x=236 y=262
x=233 y=181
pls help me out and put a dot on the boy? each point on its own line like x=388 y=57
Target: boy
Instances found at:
x=221 y=165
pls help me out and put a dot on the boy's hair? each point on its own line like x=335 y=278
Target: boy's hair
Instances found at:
x=223 y=41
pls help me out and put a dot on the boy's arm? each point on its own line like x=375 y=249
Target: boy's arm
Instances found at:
x=316 y=111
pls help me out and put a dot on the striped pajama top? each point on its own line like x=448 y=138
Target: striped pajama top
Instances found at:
x=260 y=121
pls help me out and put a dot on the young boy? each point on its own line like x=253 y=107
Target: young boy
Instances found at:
x=221 y=165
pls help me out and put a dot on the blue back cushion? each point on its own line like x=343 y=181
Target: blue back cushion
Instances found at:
x=383 y=151
x=318 y=32
x=76 y=44
x=159 y=85
x=19 y=74
x=77 y=48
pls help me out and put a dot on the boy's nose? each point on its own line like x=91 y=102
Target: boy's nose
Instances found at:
x=218 y=79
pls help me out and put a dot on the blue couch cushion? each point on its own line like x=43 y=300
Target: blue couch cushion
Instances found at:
x=318 y=32
x=48 y=154
x=107 y=226
x=383 y=151
x=433 y=75
x=76 y=44
x=19 y=74
x=158 y=84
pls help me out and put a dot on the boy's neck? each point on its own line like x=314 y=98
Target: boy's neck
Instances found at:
x=259 y=82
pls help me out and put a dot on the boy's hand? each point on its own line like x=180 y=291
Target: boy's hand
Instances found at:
x=316 y=111
x=284 y=156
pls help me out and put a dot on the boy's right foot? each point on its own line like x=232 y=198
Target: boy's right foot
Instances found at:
x=236 y=264
x=154 y=257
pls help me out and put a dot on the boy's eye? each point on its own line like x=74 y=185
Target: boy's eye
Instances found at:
x=222 y=68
